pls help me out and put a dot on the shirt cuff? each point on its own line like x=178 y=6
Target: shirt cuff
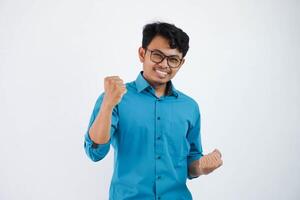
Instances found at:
x=189 y=161
x=93 y=145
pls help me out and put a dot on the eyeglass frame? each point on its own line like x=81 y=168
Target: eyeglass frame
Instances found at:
x=164 y=56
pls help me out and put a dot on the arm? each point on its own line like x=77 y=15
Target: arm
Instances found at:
x=95 y=148
x=197 y=163
x=114 y=90
x=104 y=119
x=194 y=139
x=100 y=130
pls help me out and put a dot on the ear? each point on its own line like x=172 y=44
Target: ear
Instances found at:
x=141 y=53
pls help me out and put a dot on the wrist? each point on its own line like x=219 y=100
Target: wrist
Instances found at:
x=201 y=170
x=106 y=105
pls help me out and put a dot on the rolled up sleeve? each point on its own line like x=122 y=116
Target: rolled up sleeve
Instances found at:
x=194 y=138
x=97 y=152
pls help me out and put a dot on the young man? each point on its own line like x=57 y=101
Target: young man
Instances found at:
x=154 y=128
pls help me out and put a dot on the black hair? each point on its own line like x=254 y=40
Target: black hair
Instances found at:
x=178 y=39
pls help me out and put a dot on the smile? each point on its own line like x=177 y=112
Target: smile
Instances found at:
x=161 y=73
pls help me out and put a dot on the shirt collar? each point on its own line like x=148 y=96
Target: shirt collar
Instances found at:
x=142 y=84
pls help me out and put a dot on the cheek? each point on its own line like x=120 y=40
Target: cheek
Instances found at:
x=148 y=66
x=174 y=72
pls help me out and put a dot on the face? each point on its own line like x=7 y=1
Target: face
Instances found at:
x=159 y=73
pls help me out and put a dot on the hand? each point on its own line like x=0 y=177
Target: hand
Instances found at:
x=210 y=162
x=114 y=90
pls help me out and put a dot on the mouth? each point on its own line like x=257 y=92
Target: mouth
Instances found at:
x=161 y=74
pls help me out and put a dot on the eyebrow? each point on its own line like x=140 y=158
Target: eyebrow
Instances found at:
x=165 y=54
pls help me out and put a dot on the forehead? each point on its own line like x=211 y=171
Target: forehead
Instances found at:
x=162 y=44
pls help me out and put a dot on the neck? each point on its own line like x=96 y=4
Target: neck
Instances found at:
x=160 y=90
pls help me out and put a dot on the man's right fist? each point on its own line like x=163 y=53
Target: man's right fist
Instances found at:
x=114 y=90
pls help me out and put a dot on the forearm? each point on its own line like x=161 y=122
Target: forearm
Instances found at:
x=194 y=169
x=100 y=129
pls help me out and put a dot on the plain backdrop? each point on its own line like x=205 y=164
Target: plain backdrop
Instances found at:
x=242 y=69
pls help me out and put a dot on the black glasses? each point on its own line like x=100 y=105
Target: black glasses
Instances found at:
x=157 y=57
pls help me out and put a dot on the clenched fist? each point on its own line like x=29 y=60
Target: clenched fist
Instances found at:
x=114 y=90
x=210 y=162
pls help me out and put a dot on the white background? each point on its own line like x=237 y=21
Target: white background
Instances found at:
x=242 y=68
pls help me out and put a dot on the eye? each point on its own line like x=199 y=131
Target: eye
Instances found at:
x=157 y=56
x=174 y=60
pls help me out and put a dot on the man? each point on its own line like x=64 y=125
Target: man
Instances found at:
x=154 y=128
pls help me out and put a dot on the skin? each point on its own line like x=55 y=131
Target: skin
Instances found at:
x=149 y=67
x=114 y=89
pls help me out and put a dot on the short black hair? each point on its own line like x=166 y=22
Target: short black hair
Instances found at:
x=178 y=39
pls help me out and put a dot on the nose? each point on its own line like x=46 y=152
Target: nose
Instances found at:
x=164 y=63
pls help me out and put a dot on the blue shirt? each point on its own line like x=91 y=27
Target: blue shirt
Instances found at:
x=154 y=140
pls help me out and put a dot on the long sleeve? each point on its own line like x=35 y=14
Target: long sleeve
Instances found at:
x=97 y=152
x=194 y=138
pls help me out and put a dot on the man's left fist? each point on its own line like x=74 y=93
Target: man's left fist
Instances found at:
x=210 y=162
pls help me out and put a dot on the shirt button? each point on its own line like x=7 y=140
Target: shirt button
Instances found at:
x=158 y=157
x=158 y=138
x=158 y=198
x=158 y=177
x=158 y=118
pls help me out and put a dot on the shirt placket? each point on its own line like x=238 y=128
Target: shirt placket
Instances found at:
x=159 y=119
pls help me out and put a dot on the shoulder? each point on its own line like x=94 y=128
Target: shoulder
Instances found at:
x=131 y=85
x=188 y=99
x=190 y=104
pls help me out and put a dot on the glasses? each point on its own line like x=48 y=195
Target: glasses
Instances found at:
x=157 y=57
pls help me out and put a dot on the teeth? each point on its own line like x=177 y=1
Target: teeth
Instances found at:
x=162 y=73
